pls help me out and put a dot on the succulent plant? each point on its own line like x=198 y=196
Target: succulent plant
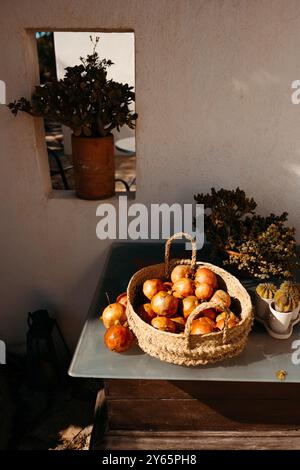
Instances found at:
x=285 y=301
x=291 y=287
x=261 y=246
x=266 y=290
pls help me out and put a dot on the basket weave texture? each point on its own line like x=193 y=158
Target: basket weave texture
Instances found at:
x=183 y=348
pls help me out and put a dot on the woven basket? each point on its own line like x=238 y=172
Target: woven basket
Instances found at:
x=183 y=348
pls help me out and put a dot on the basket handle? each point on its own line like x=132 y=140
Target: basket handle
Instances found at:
x=195 y=313
x=168 y=247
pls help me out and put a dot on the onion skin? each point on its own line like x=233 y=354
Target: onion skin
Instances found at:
x=207 y=276
x=209 y=313
x=221 y=297
x=163 y=324
x=164 y=304
x=202 y=326
x=204 y=291
x=189 y=305
x=179 y=323
x=114 y=314
x=152 y=287
x=122 y=299
x=118 y=338
x=146 y=313
x=168 y=287
x=232 y=321
x=179 y=272
x=183 y=288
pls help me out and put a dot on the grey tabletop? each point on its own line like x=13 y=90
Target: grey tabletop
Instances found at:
x=259 y=362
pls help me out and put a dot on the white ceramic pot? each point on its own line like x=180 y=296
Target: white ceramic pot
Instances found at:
x=280 y=321
x=262 y=307
x=296 y=311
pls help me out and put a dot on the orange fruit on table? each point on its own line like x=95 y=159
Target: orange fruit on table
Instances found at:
x=152 y=287
x=189 y=304
x=221 y=297
x=122 y=299
x=114 y=314
x=118 y=338
x=164 y=324
x=202 y=326
x=232 y=321
x=207 y=276
x=204 y=291
x=179 y=322
x=209 y=313
x=180 y=271
x=146 y=313
x=183 y=288
x=164 y=304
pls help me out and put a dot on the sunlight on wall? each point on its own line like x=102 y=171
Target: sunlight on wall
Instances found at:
x=119 y=47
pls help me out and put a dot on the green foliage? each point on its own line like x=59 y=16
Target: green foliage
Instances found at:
x=262 y=246
x=84 y=100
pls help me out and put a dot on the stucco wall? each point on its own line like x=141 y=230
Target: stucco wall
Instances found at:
x=213 y=94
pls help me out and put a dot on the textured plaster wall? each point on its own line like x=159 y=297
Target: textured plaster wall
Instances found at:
x=213 y=94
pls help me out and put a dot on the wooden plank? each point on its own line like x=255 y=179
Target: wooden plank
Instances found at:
x=132 y=389
x=122 y=440
x=191 y=414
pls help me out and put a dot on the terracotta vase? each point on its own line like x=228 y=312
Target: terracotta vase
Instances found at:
x=94 y=166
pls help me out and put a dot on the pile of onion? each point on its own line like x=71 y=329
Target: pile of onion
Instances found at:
x=172 y=301
x=167 y=304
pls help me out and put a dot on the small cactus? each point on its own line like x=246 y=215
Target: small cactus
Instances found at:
x=291 y=287
x=285 y=301
x=266 y=290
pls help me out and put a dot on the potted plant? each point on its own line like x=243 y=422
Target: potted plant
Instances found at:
x=285 y=308
x=265 y=295
x=260 y=247
x=92 y=106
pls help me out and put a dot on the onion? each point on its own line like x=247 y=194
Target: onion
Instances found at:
x=183 y=288
x=202 y=326
x=164 y=303
x=146 y=313
x=204 y=291
x=221 y=297
x=163 y=324
x=180 y=272
x=168 y=287
x=118 y=338
x=207 y=276
x=232 y=320
x=122 y=299
x=179 y=323
x=189 y=305
x=114 y=314
x=152 y=287
x=209 y=313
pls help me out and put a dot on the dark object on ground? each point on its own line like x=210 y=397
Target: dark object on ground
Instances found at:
x=6 y=410
x=43 y=364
